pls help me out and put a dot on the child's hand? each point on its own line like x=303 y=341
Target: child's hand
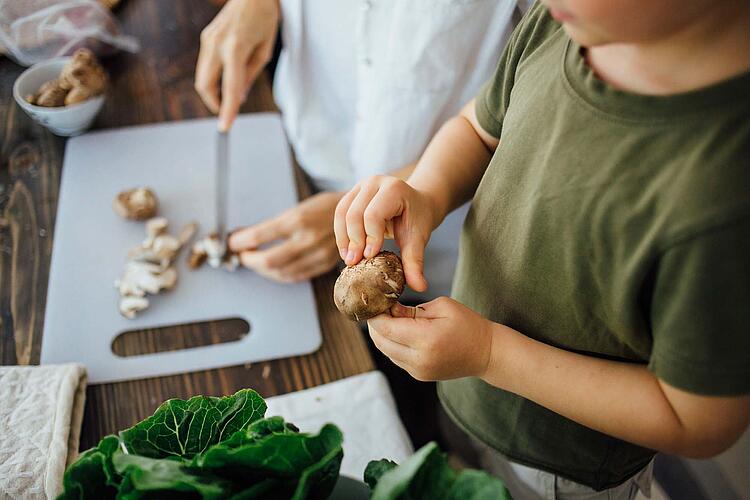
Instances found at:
x=363 y=214
x=439 y=340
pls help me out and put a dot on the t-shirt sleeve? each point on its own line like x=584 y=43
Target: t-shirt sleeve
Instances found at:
x=701 y=313
x=494 y=96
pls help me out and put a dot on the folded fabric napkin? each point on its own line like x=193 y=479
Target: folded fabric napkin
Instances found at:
x=41 y=408
x=362 y=407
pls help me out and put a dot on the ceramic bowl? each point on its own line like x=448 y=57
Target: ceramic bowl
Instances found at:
x=65 y=120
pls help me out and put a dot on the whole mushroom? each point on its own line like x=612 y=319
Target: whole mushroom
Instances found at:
x=370 y=287
x=80 y=79
x=51 y=94
x=136 y=204
x=83 y=76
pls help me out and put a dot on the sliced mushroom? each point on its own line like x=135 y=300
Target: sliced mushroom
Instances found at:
x=150 y=267
x=213 y=251
x=131 y=305
x=146 y=277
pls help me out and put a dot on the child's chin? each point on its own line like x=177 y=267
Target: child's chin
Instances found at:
x=584 y=37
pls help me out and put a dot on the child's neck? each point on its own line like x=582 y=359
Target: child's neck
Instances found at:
x=713 y=48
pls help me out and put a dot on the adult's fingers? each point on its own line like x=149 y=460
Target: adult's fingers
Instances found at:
x=339 y=221
x=207 y=74
x=232 y=84
x=249 y=238
x=308 y=265
x=274 y=257
x=255 y=65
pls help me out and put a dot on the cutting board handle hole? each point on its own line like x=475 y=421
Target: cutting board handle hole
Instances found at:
x=179 y=337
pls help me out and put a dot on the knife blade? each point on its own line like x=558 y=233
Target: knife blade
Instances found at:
x=222 y=183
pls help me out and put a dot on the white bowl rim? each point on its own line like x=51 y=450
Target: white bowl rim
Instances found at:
x=48 y=109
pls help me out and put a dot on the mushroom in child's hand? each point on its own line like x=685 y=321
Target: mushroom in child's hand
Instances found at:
x=136 y=204
x=370 y=287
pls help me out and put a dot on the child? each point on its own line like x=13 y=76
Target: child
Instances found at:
x=600 y=307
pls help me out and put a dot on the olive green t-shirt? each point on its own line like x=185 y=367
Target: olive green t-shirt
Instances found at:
x=609 y=224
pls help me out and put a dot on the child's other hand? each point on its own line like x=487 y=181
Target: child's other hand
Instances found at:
x=439 y=340
x=363 y=214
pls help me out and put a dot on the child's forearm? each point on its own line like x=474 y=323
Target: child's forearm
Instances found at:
x=404 y=172
x=620 y=399
x=454 y=162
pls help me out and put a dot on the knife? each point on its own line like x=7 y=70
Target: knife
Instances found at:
x=222 y=184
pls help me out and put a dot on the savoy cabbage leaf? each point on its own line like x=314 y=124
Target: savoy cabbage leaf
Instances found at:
x=185 y=428
x=92 y=476
x=426 y=475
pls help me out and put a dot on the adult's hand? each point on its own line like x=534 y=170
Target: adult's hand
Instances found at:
x=235 y=47
x=303 y=245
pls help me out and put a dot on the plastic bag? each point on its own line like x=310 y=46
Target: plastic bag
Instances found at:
x=36 y=30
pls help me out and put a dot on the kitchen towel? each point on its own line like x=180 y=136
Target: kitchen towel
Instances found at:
x=363 y=408
x=41 y=408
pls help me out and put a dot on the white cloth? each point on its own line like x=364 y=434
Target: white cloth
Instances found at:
x=41 y=409
x=363 y=86
x=362 y=407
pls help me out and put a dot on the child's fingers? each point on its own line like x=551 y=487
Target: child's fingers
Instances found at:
x=383 y=207
x=339 y=221
x=412 y=255
x=399 y=310
x=355 y=226
x=402 y=330
x=398 y=353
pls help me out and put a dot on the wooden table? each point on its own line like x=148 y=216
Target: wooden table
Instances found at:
x=154 y=85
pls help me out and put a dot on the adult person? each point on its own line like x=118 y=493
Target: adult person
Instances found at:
x=346 y=68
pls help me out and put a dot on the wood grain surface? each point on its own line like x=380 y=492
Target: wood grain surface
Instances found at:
x=154 y=85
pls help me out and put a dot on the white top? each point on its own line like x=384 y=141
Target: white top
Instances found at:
x=364 y=84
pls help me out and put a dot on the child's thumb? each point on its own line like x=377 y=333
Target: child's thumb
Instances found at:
x=412 y=256
x=399 y=310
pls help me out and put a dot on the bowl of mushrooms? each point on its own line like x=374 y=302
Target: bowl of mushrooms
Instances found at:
x=63 y=94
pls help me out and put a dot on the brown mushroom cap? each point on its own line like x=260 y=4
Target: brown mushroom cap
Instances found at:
x=51 y=95
x=136 y=204
x=370 y=287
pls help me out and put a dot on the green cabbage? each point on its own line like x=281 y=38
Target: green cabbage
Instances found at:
x=211 y=448
x=426 y=475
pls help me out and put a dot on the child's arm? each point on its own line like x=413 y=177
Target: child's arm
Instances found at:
x=620 y=399
x=444 y=339
x=445 y=177
x=455 y=161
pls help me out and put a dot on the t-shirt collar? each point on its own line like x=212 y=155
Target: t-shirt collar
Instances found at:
x=603 y=97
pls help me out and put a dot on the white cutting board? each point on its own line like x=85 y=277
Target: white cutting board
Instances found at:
x=91 y=243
